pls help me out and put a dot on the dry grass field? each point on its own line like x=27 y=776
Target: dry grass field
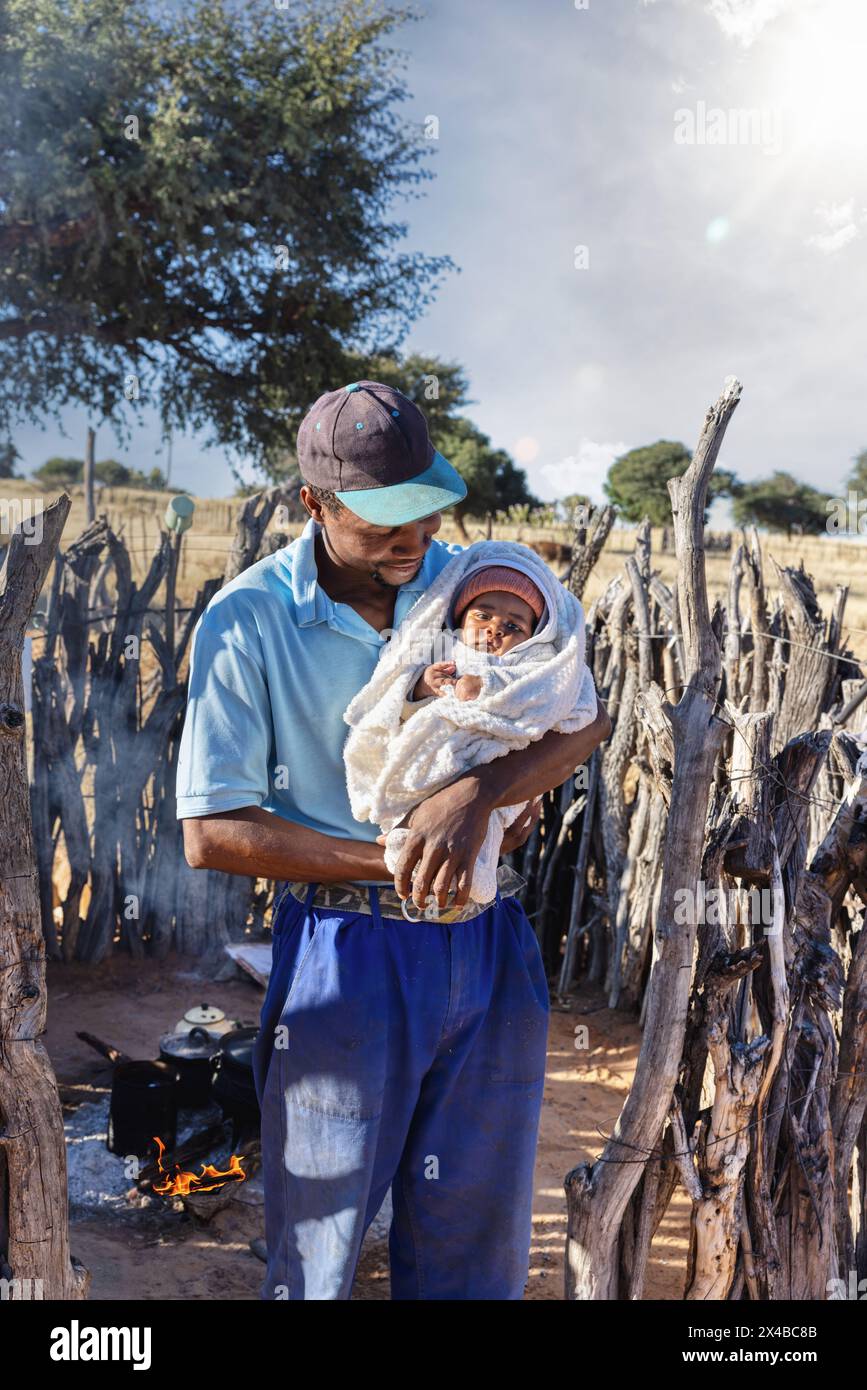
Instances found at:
x=138 y=516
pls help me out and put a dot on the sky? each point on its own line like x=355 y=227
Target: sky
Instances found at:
x=643 y=197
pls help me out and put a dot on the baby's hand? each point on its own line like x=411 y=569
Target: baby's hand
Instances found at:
x=468 y=687
x=434 y=679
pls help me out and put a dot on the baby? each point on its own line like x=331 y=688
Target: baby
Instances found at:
x=489 y=659
x=498 y=608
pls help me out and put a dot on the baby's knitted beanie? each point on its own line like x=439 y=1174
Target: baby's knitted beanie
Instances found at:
x=500 y=579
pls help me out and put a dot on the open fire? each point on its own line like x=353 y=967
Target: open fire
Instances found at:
x=183 y=1183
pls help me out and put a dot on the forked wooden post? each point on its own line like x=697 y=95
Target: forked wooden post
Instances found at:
x=34 y=1231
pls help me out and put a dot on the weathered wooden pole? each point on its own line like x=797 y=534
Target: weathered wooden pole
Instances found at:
x=256 y=512
x=178 y=519
x=34 y=1232
x=597 y=1194
x=89 y=460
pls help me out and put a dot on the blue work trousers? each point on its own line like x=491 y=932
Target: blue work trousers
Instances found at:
x=402 y=1055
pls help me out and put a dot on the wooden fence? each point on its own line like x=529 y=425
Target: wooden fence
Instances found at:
x=109 y=692
x=708 y=869
x=733 y=777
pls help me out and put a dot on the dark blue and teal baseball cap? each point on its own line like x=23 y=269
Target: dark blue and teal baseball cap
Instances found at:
x=369 y=445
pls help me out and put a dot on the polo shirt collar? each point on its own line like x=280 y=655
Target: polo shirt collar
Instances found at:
x=312 y=604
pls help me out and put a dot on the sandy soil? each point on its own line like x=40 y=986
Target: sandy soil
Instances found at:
x=171 y=1255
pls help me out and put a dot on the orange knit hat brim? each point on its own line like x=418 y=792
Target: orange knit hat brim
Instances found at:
x=499 y=579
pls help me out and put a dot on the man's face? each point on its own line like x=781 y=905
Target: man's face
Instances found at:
x=390 y=554
x=497 y=622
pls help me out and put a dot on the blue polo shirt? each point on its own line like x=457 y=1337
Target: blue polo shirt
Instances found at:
x=274 y=664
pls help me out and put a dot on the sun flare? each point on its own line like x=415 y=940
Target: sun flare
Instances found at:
x=817 y=77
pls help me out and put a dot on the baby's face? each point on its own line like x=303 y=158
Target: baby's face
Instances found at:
x=496 y=622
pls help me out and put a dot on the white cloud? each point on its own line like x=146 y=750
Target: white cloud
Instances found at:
x=842 y=223
x=744 y=20
x=836 y=214
x=834 y=241
x=583 y=471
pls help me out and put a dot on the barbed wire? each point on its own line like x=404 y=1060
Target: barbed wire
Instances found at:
x=654 y=1154
x=774 y=636
x=773 y=772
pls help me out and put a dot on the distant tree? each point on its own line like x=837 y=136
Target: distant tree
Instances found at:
x=494 y=482
x=9 y=456
x=781 y=503
x=198 y=210
x=111 y=473
x=153 y=481
x=440 y=389
x=64 y=472
x=59 y=472
x=637 y=482
x=565 y=506
x=857 y=479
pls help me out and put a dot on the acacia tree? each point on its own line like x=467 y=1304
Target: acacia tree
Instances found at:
x=781 y=503
x=197 y=210
x=637 y=481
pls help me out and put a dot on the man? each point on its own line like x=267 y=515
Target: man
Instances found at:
x=391 y=1054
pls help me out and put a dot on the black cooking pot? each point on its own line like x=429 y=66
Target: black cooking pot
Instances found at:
x=193 y=1055
x=234 y=1085
x=144 y=1103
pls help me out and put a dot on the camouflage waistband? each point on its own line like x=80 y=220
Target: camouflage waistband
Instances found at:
x=353 y=897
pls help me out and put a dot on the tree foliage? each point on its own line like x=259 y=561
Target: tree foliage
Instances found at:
x=494 y=481
x=781 y=503
x=65 y=472
x=564 y=508
x=9 y=456
x=59 y=472
x=197 y=210
x=637 y=482
x=857 y=478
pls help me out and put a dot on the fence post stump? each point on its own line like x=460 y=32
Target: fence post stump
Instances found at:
x=34 y=1229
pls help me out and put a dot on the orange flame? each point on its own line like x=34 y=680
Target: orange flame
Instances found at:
x=184 y=1183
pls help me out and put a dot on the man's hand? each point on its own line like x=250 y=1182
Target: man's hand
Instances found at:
x=405 y=880
x=449 y=830
x=451 y=825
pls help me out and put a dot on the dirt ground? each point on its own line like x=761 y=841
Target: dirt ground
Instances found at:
x=174 y=1256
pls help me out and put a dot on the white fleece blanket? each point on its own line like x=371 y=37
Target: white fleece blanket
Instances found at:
x=542 y=684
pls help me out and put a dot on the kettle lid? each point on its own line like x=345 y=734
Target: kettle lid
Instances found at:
x=203 y=1014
